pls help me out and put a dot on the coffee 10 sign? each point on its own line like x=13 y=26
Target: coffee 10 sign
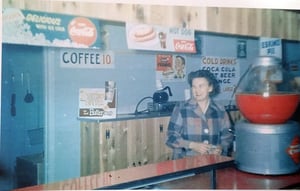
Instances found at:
x=70 y=58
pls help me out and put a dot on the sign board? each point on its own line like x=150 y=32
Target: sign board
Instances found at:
x=227 y=72
x=270 y=47
x=159 y=38
x=49 y=29
x=86 y=58
x=97 y=103
x=170 y=67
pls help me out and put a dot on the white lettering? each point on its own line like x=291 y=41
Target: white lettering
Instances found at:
x=186 y=46
x=82 y=32
x=43 y=19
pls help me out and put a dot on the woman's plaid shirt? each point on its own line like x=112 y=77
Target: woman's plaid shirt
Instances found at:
x=188 y=123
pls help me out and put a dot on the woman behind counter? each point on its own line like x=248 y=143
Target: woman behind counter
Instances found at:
x=200 y=125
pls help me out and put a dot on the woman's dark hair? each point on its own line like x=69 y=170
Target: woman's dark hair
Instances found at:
x=210 y=77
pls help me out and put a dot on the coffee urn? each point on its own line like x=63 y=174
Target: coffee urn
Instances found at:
x=267 y=141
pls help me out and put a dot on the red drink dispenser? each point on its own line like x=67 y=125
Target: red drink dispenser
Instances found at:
x=267 y=97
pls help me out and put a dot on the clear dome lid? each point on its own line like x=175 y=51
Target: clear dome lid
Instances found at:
x=267 y=94
x=266 y=76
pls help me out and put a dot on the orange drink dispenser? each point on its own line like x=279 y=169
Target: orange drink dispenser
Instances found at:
x=267 y=141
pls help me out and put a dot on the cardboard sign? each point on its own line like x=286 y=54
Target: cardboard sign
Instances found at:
x=270 y=47
x=227 y=72
x=49 y=29
x=97 y=103
x=159 y=38
x=86 y=58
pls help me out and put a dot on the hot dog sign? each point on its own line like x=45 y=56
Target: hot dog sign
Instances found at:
x=153 y=37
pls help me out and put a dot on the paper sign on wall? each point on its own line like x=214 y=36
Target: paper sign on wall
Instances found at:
x=153 y=37
x=227 y=72
x=97 y=103
x=270 y=47
x=86 y=58
x=170 y=67
x=49 y=29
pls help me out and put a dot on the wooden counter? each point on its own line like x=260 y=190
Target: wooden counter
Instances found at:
x=122 y=143
x=180 y=174
x=127 y=141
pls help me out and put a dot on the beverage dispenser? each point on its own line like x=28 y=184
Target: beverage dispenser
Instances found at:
x=267 y=141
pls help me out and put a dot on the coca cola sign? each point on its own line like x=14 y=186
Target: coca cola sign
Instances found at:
x=294 y=149
x=82 y=31
x=184 y=46
x=50 y=29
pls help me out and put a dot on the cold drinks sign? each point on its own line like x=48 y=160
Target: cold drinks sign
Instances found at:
x=227 y=72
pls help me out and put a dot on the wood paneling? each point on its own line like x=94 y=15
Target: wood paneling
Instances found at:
x=90 y=141
x=113 y=145
x=237 y=21
x=107 y=146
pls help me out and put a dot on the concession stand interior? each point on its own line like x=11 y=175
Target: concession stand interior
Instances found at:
x=88 y=88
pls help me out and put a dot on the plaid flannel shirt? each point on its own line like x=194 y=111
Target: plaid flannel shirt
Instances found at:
x=188 y=124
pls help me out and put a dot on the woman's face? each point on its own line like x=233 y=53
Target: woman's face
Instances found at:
x=201 y=89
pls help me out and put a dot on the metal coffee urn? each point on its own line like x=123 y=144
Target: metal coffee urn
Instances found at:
x=267 y=141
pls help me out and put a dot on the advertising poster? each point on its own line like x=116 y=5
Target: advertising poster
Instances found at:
x=97 y=103
x=170 y=67
x=270 y=47
x=49 y=29
x=159 y=38
x=226 y=70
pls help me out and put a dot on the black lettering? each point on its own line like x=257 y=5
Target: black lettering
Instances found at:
x=80 y=55
x=64 y=57
x=89 y=58
x=224 y=81
x=86 y=58
x=97 y=59
x=227 y=75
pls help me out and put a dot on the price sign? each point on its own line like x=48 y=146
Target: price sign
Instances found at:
x=84 y=58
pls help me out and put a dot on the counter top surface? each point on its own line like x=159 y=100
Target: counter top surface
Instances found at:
x=226 y=177
x=127 y=116
x=171 y=168
x=232 y=178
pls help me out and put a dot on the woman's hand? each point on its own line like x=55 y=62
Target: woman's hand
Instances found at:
x=204 y=148
x=201 y=148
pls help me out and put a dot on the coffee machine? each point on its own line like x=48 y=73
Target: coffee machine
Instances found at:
x=161 y=101
x=266 y=140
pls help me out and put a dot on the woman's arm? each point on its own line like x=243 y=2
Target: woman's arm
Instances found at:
x=226 y=136
x=175 y=130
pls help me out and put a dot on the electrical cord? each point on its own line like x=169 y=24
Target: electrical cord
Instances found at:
x=138 y=104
